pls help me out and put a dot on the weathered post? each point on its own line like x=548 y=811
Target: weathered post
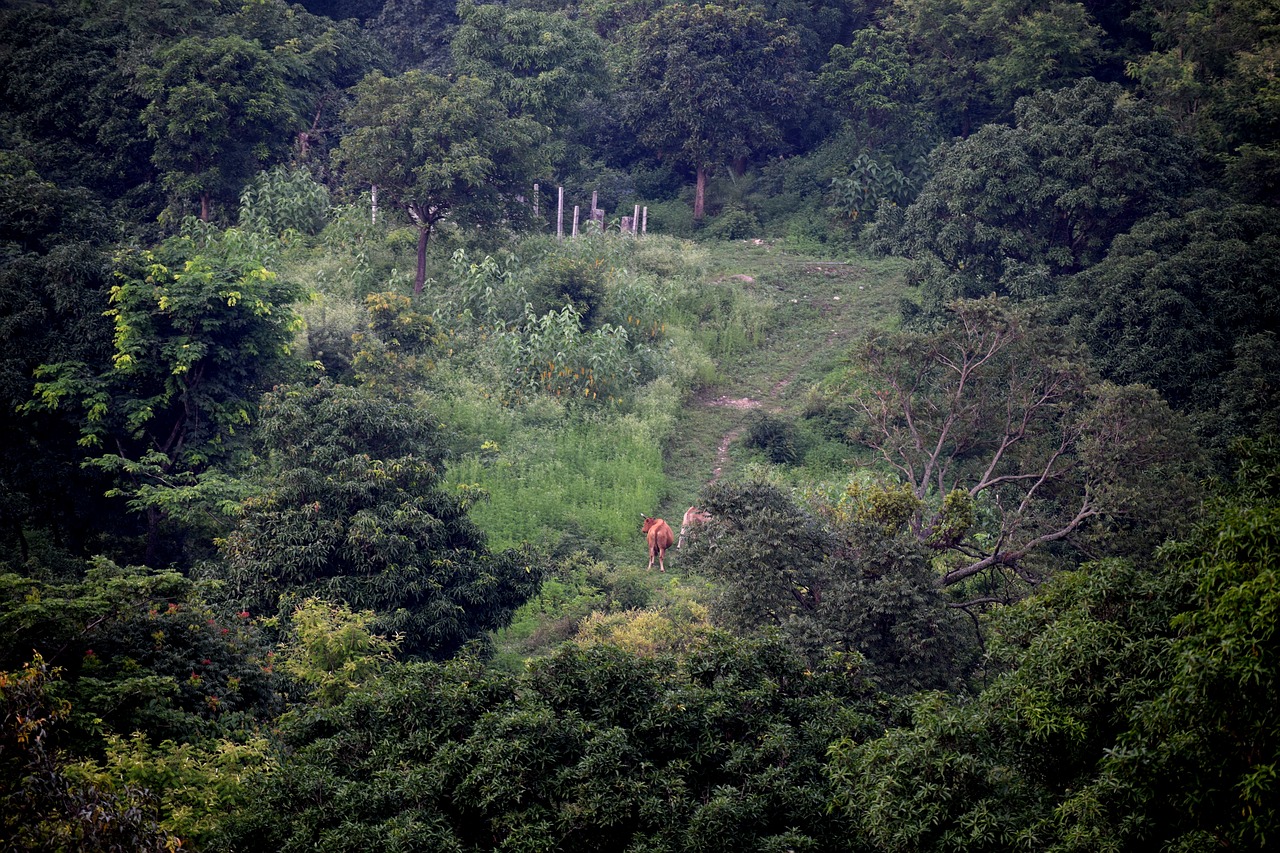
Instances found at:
x=535 y=201
x=575 y=220
x=635 y=221
x=560 y=215
x=644 y=223
x=373 y=204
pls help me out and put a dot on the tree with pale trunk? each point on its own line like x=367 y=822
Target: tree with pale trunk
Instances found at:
x=438 y=149
x=1008 y=442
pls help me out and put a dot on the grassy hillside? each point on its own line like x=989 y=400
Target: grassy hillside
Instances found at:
x=750 y=330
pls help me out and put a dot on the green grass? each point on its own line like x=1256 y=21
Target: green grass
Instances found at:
x=595 y=474
x=745 y=321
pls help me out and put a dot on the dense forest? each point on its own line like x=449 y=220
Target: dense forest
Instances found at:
x=344 y=346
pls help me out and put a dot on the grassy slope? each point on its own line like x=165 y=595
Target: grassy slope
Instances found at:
x=813 y=310
x=819 y=309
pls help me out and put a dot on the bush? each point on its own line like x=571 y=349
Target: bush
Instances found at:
x=735 y=223
x=671 y=217
x=777 y=439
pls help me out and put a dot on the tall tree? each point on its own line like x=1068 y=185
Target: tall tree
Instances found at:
x=1008 y=443
x=1189 y=305
x=831 y=580
x=1132 y=709
x=439 y=149
x=589 y=750
x=539 y=63
x=69 y=103
x=711 y=85
x=201 y=327
x=1011 y=208
x=54 y=280
x=1214 y=67
x=218 y=109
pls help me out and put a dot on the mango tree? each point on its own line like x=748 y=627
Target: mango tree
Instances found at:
x=711 y=85
x=439 y=149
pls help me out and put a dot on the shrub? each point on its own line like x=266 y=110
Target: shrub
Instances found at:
x=776 y=438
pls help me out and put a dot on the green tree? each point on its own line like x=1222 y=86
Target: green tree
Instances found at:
x=69 y=104
x=1132 y=708
x=1010 y=209
x=970 y=59
x=1002 y=432
x=415 y=33
x=1187 y=304
x=1037 y=46
x=44 y=809
x=946 y=55
x=331 y=650
x=139 y=650
x=1213 y=67
x=871 y=84
x=438 y=149
x=282 y=200
x=201 y=327
x=711 y=85
x=54 y=279
x=589 y=750
x=539 y=63
x=1000 y=772
x=831 y=581
x=219 y=110
x=352 y=509
x=1197 y=769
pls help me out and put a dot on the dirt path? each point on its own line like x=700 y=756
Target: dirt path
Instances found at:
x=822 y=308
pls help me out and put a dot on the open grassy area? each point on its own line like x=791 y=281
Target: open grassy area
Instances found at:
x=749 y=331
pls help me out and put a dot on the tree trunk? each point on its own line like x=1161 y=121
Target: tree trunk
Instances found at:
x=699 y=194
x=424 y=233
x=204 y=207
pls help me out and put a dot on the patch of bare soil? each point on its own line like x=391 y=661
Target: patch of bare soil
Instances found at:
x=722 y=454
x=725 y=402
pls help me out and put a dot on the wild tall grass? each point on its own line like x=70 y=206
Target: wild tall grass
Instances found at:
x=594 y=474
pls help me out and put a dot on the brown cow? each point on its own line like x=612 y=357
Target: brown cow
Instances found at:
x=658 y=532
x=693 y=515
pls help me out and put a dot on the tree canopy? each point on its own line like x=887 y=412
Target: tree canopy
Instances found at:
x=714 y=84
x=439 y=149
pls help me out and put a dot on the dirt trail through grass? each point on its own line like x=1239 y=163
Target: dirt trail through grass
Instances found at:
x=819 y=310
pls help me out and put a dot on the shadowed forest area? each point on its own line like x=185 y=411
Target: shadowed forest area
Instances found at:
x=338 y=373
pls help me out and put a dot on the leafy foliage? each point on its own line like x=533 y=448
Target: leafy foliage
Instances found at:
x=1008 y=410
x=215 y=107
x=540 y=63
x=777 y=439
x=201 y=327
x=1187 y=304
x=332 y=651
x=711 y=81
x=139 y=650
x=590 y=750
x=353 y=510
x=1010 y=208
x=829 y=582
x=438 y=148
x=282 y=200
x=43 y=808
x=1131 y=712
